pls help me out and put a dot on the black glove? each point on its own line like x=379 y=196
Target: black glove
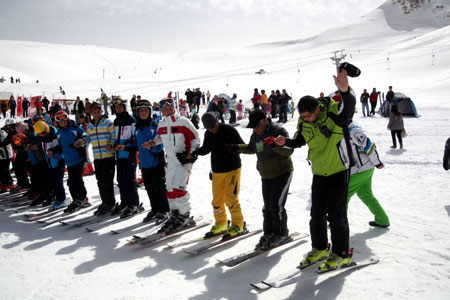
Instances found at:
x=445 y=166
x=233 y=149
x=182 y=157
x=352 y=71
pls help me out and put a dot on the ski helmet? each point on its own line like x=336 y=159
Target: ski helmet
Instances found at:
x=10 y=121
x=119 y=101
x=41 y=127
x=143 y=104
x=61 y=116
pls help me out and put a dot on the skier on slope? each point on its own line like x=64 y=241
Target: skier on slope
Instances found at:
x=152 y=162
x=366 y=159
x=226 y=175
x=180 y=139
x=126 y=161
x=323 y=126
x=102 y=136
x=73 y=140
x=446 y=159
x=276 y=169
x=56 y=164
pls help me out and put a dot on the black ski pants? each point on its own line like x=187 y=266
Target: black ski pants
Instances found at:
x=105 y=169
x=126 y=172
x=75 y=182
x=39 y=178
x=56 y=180
x=275 y=193
x=155 y=184
x=20 y=169
x=329 y=197
x=5 y=175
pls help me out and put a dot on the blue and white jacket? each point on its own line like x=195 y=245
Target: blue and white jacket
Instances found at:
x=125 y=127
x=364 y=151
x=145 y=133
x=67 y=137
x=50 y=142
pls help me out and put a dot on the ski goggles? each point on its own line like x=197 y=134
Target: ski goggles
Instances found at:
x=166 y=102
x=118 y=101
x=60 y=118
x=143 y=103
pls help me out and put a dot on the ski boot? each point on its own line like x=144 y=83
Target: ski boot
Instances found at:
x=217 y=229
x=76 y=205
x=103 y=209
x=177 y=222
x=131 y=210
x=276 y=240
x=263 y=243
x=313 y=257
x=234 y=230
x=334 y=261
x=118 y=208
x=59 y=204
x=150 y=216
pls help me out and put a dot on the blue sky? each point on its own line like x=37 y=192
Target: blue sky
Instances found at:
x=162 y=25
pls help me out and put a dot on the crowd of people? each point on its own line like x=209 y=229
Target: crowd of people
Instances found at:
x=165 y=145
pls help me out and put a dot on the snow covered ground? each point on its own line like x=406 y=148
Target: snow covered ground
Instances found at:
x=57 y=262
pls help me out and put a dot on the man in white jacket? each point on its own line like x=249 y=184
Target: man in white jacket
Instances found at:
x=180 y=139
x=366 y=159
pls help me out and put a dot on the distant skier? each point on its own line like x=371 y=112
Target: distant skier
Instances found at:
x=447 y=155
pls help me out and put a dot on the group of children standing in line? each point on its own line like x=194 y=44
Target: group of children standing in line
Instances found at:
x=341 y=155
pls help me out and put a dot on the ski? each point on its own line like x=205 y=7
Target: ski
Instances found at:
x=192 y=241
x=114 y=221
x=132 y=227
x=291 y=276
x=85 y=221
x=162 y=236
x=204 y=248
x=49 y=212
x=244 y=256
x=59 y=218
x=9 y=196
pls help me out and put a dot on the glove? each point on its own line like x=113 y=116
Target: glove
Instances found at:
x=182 y=158
x=445 y=166
x=233 y=149
x=352 y=71
x=269 y=141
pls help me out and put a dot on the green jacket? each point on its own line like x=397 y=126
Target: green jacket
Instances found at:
x=273 y=161
x=327 y=137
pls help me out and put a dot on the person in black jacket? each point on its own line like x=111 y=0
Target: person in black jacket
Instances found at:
x=276 y=169
x=126 y=161
x=283 y=102
x=226 y=175
x=447 y=155
x=25 y=105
